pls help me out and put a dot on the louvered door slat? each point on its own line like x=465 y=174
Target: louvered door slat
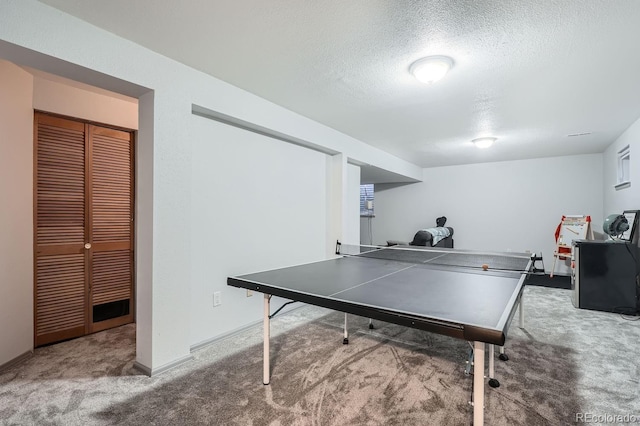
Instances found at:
x=60 y=181
x=60 y=294
x=51 y=234
x=61 y=284
x=111 y=186
x=111 y=276
x=111 y=225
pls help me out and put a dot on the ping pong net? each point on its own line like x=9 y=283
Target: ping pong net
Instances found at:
x=517 y=263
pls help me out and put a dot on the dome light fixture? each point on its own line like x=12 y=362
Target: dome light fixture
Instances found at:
x=431 y=69
x=484 y=142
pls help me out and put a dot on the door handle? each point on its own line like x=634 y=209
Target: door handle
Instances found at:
x=87 y=246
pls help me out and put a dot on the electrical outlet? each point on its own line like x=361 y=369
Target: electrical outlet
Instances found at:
x=249 y=293
x=216 y=299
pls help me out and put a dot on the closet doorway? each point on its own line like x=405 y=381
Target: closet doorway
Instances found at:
x=83 y=227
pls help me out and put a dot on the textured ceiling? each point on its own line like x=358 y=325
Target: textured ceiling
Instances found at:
x=527 y=72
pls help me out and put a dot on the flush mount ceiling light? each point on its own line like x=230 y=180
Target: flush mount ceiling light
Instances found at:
x=484 y=142
x=431 y=69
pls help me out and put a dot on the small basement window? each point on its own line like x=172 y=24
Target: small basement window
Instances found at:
x=366 y=200
x=624 y=165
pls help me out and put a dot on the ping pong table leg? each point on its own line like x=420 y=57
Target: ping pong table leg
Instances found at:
x=503 y=356
x=521 y=308
x=493 y=382
x=345 y=341
x=491 y=366
x=266 y=326
x=478 y=383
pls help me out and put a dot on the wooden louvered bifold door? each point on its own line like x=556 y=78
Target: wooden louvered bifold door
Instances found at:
x=60 y=259
x=83 y=228
x=111 y=228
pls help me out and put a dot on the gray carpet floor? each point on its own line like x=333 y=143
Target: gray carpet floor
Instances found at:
x=566 y=363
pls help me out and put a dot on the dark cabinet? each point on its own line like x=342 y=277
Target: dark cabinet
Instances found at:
x=605 y=276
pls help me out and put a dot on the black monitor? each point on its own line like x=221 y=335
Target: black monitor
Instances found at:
x=632 y=233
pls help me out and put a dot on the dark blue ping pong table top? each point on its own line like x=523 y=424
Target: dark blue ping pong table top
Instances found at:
x=445 y=291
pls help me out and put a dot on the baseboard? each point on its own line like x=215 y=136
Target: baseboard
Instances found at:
x=155 y=371
x=142 y=368
x=215 y=339
x=231 y=333
x=17 y=360
x=223 y=336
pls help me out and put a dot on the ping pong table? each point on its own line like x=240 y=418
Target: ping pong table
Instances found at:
x=465 y=294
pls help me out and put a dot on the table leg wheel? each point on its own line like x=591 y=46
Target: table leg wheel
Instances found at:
x=494 y=383
x=504 y=357
x=345 y=341
x=370 y=326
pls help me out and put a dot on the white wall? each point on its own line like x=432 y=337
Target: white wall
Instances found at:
x=617 y=201
x=144 y=232
x=505 y=206
x=36 y=35
x=352 y=232
x=63 y=98
x=265 y=202
x=16 y=212
x=366 y=231
x=336 y=204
